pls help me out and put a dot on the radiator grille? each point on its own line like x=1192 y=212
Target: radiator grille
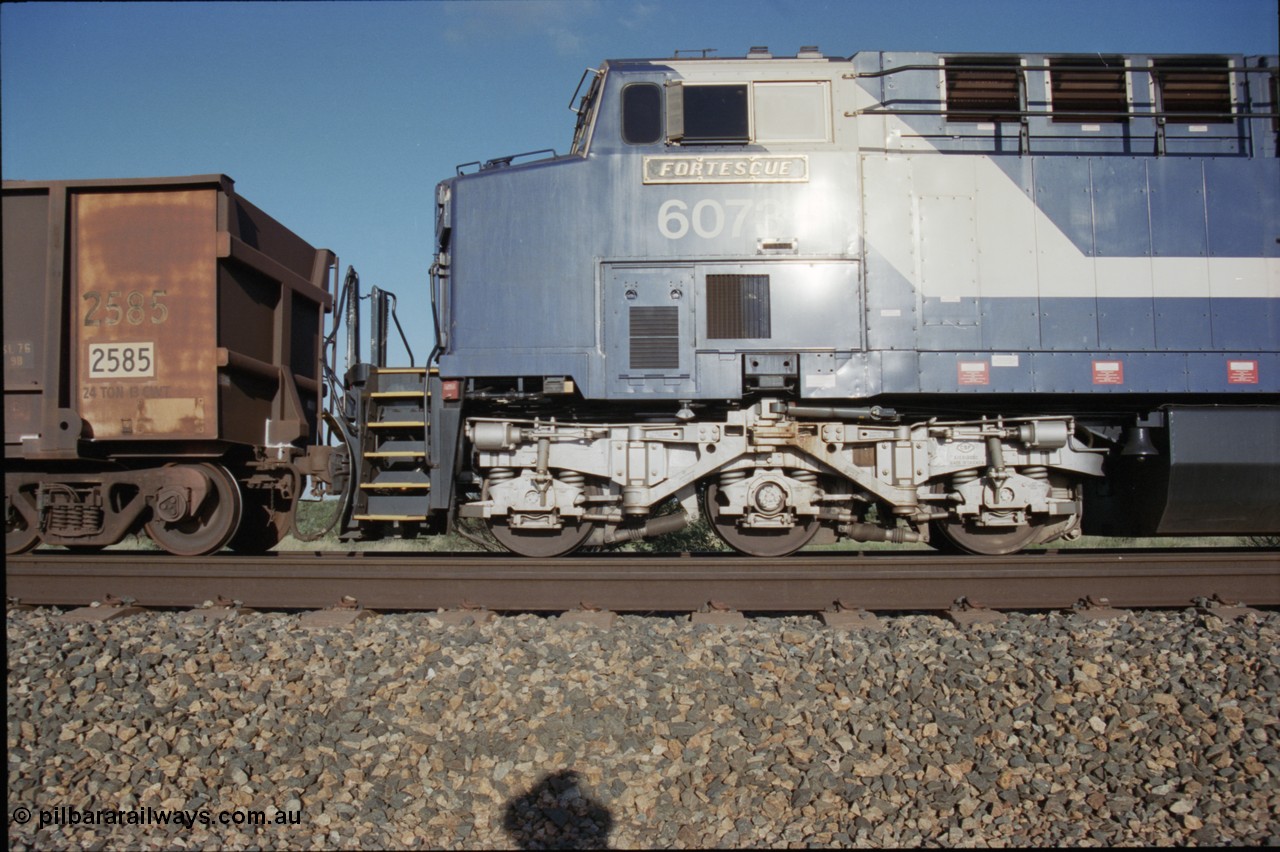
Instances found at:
x=655 y=338
x=737 y=307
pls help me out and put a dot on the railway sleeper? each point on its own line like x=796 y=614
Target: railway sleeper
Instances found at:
x=768 y=481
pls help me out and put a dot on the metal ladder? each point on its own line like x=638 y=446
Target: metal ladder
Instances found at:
x=394 y=470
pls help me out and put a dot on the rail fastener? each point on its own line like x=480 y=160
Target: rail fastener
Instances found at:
x=717 y=614
x=1226 y=610
x=845 y=616
x=588 y=615
x=468 y=614
x=346 y=613
x=215 y=611
x=966 y=613
x=109 y=608
x=1091 y=608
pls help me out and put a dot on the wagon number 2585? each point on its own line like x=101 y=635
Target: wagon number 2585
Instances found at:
x=122 y=360
x=135 y=310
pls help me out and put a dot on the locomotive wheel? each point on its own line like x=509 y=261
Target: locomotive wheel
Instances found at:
x=957 y=537
x=541 y=544
x=766 y=543
x=212 y=524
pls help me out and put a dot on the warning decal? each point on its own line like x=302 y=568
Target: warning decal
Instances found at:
x=1242 y=372
x=973 y=373
x=1108 y=372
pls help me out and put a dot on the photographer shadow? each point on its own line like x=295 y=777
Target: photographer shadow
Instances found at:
x=554 y=814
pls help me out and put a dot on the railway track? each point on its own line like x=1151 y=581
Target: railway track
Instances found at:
x=871 y=581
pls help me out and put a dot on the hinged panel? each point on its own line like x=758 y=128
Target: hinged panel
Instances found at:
x=648 y=328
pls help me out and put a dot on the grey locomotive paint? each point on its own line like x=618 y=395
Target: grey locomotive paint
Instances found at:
x=900 y=247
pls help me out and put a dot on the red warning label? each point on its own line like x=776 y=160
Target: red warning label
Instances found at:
x=1108 y=372
x=1242 y=372
x=973 y=373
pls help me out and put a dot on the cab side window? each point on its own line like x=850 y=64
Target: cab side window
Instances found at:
x=641 y=113
x=716 y=114
x=740 y=113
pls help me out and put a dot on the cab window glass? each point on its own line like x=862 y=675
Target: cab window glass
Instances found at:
x=641 y=114
x=716 y=113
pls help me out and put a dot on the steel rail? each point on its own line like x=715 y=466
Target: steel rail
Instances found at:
x=874 y=581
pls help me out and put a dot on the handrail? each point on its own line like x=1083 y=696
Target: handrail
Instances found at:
x=1239 y=111
x=1088 y=69
x=1015 y=114
x=503 y=162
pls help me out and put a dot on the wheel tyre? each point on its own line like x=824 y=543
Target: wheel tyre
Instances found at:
x=214 y=523
x=541 y=544
x=18 y=536
x=767 y=544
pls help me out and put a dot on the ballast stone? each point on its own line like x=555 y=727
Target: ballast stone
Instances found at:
x=1158 y=729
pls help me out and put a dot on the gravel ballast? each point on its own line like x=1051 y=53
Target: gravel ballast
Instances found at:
x=1155 y=728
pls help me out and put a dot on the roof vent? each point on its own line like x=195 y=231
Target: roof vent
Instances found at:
x=809 y=51
x=759 y=53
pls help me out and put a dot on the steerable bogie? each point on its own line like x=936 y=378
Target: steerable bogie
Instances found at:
x=769 y=479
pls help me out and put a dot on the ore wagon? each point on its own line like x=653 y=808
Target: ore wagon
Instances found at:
x=162 y=363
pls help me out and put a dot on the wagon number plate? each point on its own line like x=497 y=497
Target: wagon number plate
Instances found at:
x=122 y=360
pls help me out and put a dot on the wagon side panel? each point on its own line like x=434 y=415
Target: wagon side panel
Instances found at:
x=144 y=313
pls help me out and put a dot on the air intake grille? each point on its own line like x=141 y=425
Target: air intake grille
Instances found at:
x=1088 y=89
x=1194 y=90
x=655 y=338
x=982 y=89
x=737 y=307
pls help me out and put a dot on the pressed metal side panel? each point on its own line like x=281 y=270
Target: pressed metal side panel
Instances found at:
x=145 y=313
x=26 y=239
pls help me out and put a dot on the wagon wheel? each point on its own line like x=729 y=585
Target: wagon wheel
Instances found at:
x=19 y=534
x=210 y=526
x=766 y=543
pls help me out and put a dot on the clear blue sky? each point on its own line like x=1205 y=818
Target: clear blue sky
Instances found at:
x=339 y=118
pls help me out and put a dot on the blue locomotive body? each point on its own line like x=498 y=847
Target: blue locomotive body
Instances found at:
x=860 y=247
x=952 y=297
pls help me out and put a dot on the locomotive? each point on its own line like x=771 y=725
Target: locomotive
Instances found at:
x=981 y=301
